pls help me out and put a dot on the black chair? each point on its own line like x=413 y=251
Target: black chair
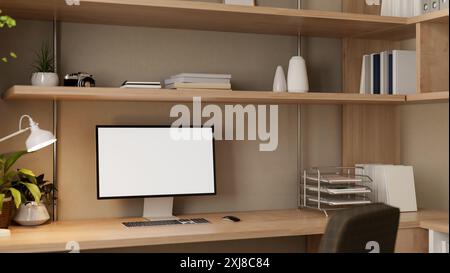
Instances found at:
x=371 y=228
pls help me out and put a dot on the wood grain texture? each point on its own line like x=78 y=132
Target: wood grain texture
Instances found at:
x=430 y=97
x=359 y=6
x=217 y=96
x=110 y=233
x=432 y=57
x=439 y=225
x=207 y=16
x=371 y=135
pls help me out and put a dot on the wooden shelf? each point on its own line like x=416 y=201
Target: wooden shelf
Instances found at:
x=434 y=17
x=428 y=97
x=214 y=16
x=211 y=96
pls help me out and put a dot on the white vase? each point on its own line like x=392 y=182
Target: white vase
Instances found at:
x=44 y=79
x=297 y=75
x=32 y=214
x=279 y=82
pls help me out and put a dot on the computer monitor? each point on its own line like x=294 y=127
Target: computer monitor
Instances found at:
x=155 y=161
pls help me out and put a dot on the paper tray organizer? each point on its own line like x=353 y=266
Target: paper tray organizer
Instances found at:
x=333 y=188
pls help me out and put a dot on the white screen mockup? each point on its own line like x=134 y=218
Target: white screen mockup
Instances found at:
x=142 y=161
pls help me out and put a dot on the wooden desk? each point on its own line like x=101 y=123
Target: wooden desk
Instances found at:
x=110 y=233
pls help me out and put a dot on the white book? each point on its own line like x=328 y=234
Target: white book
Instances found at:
x=202 y=75
x=404 y=72
x=417 y=7
x=400 y=187
x=141 y=86
x=384 y=73
x=365 y=75
x=386 y=8
x=195 y=80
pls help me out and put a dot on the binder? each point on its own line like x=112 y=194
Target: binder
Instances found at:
x=404 y=72
x=391 y=75
x=434 y=5
x=375 y=74
x=384 y=73
x=443 y=4
x=365 y=75
x=426 y=6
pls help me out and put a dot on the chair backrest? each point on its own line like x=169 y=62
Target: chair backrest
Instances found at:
x=371 y=228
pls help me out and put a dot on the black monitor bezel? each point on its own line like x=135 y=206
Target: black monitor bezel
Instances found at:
x=151 y=196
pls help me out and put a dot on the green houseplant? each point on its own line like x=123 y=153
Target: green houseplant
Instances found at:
x=9 y=22
x=44 y=74
x=14 y=185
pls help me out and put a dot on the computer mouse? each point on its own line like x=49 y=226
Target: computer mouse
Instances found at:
x=231 y=218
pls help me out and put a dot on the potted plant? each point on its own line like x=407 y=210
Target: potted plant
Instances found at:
x=14 y=184
x=44 y=74
x=32 y=213
x=9 y=22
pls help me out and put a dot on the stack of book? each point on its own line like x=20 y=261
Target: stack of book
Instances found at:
x=199 y=81
x=146 y=85
x=389 y=73
x=410 y=8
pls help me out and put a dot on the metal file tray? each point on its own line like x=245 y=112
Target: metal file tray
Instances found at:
x=340 y=190
x=332 y=188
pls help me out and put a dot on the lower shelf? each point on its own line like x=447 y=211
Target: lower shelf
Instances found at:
x=211 y=96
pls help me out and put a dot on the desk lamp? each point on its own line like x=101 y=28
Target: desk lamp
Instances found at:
x=37 y=140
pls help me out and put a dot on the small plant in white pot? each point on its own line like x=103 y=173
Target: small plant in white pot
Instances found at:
x=45 y=73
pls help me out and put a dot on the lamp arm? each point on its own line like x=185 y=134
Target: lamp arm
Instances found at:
x=30 y=120
x=15 y=134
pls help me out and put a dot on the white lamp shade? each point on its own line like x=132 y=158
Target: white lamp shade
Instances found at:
x=39 y=139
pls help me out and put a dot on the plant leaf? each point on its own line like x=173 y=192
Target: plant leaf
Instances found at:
x=16 y=196
x=12 y=159
x=2 y=197
x=34 y=190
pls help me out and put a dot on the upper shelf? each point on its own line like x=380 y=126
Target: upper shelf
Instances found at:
x=219 y=17
x=186 y=96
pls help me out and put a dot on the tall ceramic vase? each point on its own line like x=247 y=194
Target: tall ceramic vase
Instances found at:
x=297 y=75
x=279 y=82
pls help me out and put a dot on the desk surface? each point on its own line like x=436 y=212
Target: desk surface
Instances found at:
x=110 y=233
x=439 y=225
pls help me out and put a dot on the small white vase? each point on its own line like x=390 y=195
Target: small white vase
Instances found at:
x=297 y=75
x=32 y=214
x=279 y=82
x=44 y=79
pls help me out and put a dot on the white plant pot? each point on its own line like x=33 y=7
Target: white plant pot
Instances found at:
x=297 y=75
x=32 y=214
x=44 y=79
x=279 y=82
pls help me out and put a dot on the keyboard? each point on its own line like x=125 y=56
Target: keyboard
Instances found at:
x=166 y=222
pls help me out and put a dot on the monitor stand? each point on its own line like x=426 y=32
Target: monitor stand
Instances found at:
x=156 y=209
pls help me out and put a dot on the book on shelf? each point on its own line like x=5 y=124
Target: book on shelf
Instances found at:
x=195 y=80
x=389 y=73
x=402 y=8
x=187 y=85
x=202 y=75
x=144 y=85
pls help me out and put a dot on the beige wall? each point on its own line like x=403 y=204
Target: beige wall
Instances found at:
x=425 y=138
